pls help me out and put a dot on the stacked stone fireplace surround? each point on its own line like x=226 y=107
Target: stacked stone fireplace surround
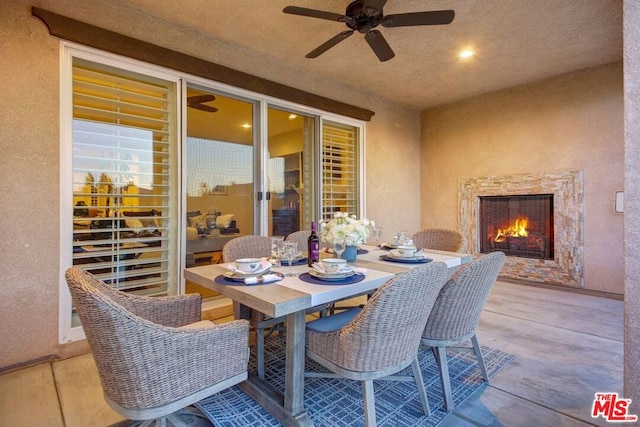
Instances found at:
x=566 y=268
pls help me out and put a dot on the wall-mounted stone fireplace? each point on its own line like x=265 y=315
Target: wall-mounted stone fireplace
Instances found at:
x=566 y=268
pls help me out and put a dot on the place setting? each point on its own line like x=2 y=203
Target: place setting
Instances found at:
x=249 y=271
x=406 y=254
x=400 y=239
x=333 y=271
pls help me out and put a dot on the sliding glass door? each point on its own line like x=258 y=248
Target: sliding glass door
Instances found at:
x=160 y=170
x=291 y=150
x=220 y=172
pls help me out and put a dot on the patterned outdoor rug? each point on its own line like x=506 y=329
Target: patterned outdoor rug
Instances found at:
x=338 y=402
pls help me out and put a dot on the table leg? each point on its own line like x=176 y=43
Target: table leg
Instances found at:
x=295 y=355
x=288 y=408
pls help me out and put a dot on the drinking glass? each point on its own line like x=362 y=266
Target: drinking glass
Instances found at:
x=277 y=249
x=290 y=252
x=377 y=234
x=339 y=245
x=401 y=237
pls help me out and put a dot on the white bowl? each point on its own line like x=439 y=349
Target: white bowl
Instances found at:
x=404 y=251
x=333 y=265
x=249 y=265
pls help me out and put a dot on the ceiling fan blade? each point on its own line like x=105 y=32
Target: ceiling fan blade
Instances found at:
x=203 y=107
x=313 y=13
x=373 y=7
x=436 y=17
x=329 y=44
x=196 y=99
x=379 y=45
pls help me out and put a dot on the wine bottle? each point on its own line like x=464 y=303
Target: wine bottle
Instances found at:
x=313 y=246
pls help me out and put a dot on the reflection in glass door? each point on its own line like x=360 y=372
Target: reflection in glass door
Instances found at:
x=290 y=149
x=220 y=173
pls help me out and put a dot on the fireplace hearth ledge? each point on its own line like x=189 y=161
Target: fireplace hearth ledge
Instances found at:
x=567 y=187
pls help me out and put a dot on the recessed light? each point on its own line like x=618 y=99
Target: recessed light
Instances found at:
x=246 y=126
x=467 y=53
x=292 y=116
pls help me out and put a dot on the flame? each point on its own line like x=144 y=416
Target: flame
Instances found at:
x=518 y=229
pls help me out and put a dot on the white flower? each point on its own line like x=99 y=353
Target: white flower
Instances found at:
x=354 y=231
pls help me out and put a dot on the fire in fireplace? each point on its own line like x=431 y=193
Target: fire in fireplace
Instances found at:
x=518 y=225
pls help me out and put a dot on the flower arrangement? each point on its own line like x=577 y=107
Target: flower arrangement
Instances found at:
x=355 y=232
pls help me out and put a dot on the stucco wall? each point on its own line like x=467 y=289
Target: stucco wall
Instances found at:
x=570 y=122
x=30 y=142
x=632 y=204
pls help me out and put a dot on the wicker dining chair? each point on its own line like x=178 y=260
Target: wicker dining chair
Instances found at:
x=455 y=315
x=254 y=247
x=438 y=238
x=300 y=236
x=154 y=355
x=382 y=338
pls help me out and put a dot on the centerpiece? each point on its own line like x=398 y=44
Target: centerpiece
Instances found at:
x=348 y=230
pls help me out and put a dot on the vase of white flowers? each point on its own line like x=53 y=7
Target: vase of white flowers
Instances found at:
x=344 y=227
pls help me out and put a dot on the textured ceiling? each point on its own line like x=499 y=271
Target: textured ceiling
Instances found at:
x=516 y=41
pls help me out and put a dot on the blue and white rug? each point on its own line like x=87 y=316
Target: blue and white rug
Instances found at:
x=338 y=402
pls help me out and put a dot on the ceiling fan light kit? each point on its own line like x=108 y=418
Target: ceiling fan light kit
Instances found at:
x=364 y=16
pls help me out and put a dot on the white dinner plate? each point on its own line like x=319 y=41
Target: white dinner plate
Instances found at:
x=331 y=276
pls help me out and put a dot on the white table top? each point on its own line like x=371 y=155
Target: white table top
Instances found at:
x=288 y=295
x=292 y=294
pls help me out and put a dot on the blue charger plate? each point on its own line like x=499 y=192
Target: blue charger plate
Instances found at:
x=405 y=260
x=306 y=277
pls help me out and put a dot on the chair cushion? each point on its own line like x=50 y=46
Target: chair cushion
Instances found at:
x=198 y=325
x=333 y=322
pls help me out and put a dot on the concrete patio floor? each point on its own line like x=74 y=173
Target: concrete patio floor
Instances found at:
x=568 y=346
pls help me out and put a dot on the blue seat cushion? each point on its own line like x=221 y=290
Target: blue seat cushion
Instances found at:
x=333 y=322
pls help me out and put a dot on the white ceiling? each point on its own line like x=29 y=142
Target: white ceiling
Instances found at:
x=516 y=41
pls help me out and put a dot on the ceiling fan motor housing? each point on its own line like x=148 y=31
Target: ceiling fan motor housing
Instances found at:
x=358 y=19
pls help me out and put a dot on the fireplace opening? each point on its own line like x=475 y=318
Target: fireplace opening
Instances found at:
x=518 y=225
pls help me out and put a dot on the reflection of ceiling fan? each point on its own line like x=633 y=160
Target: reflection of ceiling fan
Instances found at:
x=197 y=102
x=365 y=15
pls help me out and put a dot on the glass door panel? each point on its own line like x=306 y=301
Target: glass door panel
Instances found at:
x=220 y=173
x=290 y=148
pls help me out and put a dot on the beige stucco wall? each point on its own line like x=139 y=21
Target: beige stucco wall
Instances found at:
x=30 y=142
x=632 y=203
x=570 y=122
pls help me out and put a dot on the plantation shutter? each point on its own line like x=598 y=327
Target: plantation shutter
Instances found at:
x=339 y=169
x=123 y=138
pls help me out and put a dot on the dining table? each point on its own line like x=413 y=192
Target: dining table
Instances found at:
x=292 y=297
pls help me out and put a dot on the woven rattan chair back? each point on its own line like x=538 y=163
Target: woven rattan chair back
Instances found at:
x=138 y=347
x=387 y=330
x=457 y=310
x=438 y=238
x=246 y=247
x=300 y=236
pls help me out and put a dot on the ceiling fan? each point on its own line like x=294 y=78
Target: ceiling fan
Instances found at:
x=197 y=102
x=364 y=16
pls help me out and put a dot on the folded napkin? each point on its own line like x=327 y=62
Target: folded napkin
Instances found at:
x=267 y=278
x=264 y=266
